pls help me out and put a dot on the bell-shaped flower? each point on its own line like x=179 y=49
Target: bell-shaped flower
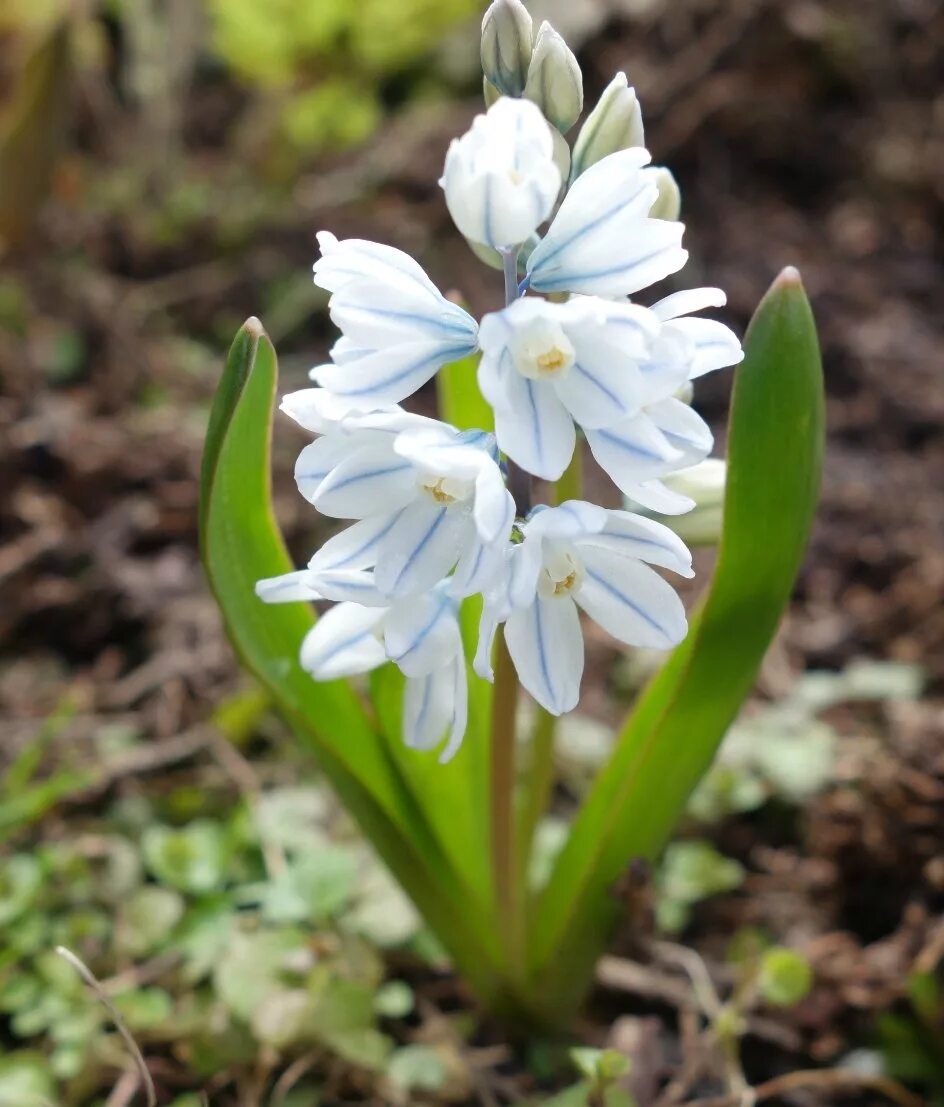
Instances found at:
x=420 y=635
x=500 y=179
x=665 y=434
x=575 y=556
x=428 y=499
x=602 y=240
x=545 y=366
x=397 y=327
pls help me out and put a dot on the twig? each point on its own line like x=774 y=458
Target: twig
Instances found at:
x=86 y=973
x=838 y=1081
x=296 y=1070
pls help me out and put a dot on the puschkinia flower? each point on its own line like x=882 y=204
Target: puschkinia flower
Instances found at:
x=500 y=179
x=545 y=366
x=602 y=240
x=397 y=328
x=582 y=555
x=429 y=520
x=428 y=499
x=420 y=636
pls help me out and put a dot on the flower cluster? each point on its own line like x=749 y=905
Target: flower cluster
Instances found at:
x=432 y=519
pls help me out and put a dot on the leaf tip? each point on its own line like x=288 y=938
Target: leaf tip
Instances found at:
x=253 y=328
x=788 y=277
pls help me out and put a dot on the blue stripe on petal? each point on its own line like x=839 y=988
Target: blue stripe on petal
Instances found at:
x=423 y=632
x=623 y=598
x=608 y=392
x=542 y=651
x=355 y=478
x=627 y=447
x=431 y=530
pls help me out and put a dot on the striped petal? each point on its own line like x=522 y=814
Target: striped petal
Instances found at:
x=422 y=634
x=344 y=642
x=422 y=546
x=546 y=646
x=370 y=481
x=630 y=600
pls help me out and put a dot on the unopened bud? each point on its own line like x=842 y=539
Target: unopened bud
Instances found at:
x=669 y=204
x=614 y=124
x=489 y=92
x=506 y=46
x=555 y=82
x=704 y=483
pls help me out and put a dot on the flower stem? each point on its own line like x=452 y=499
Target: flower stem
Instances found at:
x=506 y=874
x=505 y=870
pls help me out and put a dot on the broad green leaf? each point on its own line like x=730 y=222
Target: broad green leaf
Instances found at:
x=240 y=543
x=460 y=401
x=775 y=447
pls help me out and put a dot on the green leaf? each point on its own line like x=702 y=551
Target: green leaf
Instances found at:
x=785 y=977
x=775 y=445
x=240 y=544
x=460 y=401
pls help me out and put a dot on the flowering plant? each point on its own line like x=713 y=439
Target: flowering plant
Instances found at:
x=471 y=548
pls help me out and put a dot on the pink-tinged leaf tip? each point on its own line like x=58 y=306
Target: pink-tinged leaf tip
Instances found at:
x=788 y=276
x=254 y=328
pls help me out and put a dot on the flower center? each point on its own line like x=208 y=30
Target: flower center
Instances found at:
x=445 y=490
x=541 y=351
x=561 y=575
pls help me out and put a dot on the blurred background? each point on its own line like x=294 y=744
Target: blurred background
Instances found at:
x=164 y=166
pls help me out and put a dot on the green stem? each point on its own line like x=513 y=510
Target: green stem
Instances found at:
x=505 y=868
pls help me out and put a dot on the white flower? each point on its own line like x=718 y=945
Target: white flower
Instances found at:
x=420 y=635
x=665 y=434
x=397 y=328
x=429 y=499
x=500 y=179
x=582 y=555
x=602 y=240
x=547 y=365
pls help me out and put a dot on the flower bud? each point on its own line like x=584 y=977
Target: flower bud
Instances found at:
x=500 y=179
x=555 y=82
x=669 y=204
x=704 y=484
x=614 y=124
x=506 y=45
x=489 y=92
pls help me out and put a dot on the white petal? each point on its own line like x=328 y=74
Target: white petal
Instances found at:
x=287 y=588
x=443 y=450
x=422 y=546
x=315 y=409
x=494 y=508
x=479 y=566
x=317 y=460
x=683 y=428
x=359 y=259
x=460 y=708
x=422 y=633
x=375 y=314
x=390 y=375
x=427 y=708
x=356 y=546
x=602 y=387
x=601 y=241
x=343 y=642
x=546 y=645
x=633 y=451
x=569 y=520
x=618 y=266
x=655 y=496
x=535 y=429
x=524 y=568
x=370 y=481
x=634 y=536
x=630 y=600
x=355 y=585
x=488 y=625
x=716 y=346
x=688 y=301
